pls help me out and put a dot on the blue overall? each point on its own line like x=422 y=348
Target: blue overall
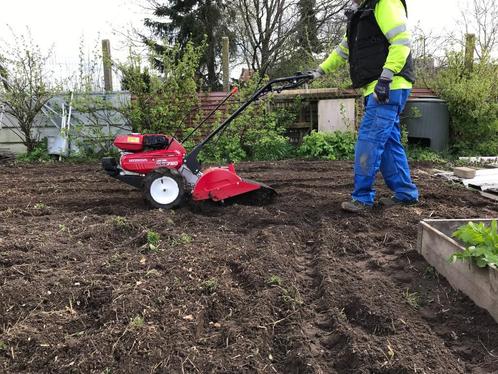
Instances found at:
x=379 y=147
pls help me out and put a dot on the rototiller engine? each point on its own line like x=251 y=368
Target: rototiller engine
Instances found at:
x=160 y=166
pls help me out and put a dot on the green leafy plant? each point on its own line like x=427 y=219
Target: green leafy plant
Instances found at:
x=185 y=238
x=425 y=154
x=328 y=146
x=120 y=221
x=40 y=206
x=153 y=239
x=481 y=244
x=275 y=280
x=39 y=153
x=272 y=148
x=137 y=322
x=209 y=286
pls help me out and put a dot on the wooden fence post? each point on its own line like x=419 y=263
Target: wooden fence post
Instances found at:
x=106 y=56
x=470 y=45
x=226 y=62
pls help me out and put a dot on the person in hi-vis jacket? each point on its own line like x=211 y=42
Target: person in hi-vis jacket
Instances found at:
x=377 y=47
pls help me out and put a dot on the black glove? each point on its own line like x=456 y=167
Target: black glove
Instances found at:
x=381 y=91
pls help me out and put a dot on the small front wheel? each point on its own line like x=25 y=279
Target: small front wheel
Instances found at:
x=164 y=189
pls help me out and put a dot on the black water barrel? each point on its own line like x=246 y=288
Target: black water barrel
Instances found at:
x=428 y=122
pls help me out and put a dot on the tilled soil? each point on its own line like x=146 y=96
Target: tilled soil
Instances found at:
x=294 y=287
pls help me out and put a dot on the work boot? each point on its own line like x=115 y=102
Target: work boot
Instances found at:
x=388 y=202
x=355 y=206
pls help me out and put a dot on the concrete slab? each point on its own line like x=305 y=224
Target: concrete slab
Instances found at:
x=464 y=172
x=336 y=115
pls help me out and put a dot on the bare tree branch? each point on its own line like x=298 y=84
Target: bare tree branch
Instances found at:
x=268 y=30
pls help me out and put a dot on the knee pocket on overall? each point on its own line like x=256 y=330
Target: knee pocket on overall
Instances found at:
x=366 y=154
x=378 y=123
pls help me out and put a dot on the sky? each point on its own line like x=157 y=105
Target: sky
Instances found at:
x=61 y=24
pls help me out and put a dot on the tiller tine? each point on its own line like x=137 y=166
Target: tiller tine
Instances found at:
x=223 y=184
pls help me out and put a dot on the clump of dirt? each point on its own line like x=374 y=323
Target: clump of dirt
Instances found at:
x=293 y=287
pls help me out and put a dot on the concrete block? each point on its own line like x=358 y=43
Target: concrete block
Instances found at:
x=464 y=172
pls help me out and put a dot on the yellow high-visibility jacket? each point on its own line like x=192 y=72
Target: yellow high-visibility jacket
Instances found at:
x=391 y=18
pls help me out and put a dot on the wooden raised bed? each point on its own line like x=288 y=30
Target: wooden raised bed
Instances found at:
x=437 y=246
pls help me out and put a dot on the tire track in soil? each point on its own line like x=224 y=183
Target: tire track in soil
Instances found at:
x=310 y=356
x=323 y=342
x=316 y=327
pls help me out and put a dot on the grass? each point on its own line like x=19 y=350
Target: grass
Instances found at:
x=412 y=298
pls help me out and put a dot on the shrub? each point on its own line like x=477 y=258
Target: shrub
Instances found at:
x=257 y=134
x=160 y=100
x=425 y=154
x=472 y=98
x=272 y=148
x=38 y=154
x=328 y=146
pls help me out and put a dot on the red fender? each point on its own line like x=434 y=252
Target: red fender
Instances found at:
x=220 y=183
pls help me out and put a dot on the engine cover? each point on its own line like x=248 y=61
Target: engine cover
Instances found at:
x=139 y=142
x=129 y=143
x=149 y=160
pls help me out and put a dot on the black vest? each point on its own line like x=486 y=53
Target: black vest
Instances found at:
x=368 y=47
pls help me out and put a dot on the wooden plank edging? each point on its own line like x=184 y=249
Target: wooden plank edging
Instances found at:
x=480 y=285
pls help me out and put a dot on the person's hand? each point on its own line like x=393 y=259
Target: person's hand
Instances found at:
x=316 y=73
x=381 y=91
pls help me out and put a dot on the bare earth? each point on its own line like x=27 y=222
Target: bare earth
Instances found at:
x=294 y=287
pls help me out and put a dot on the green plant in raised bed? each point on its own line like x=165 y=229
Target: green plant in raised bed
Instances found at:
x=481 y=244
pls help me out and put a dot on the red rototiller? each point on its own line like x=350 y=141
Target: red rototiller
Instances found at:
x=160 y=166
